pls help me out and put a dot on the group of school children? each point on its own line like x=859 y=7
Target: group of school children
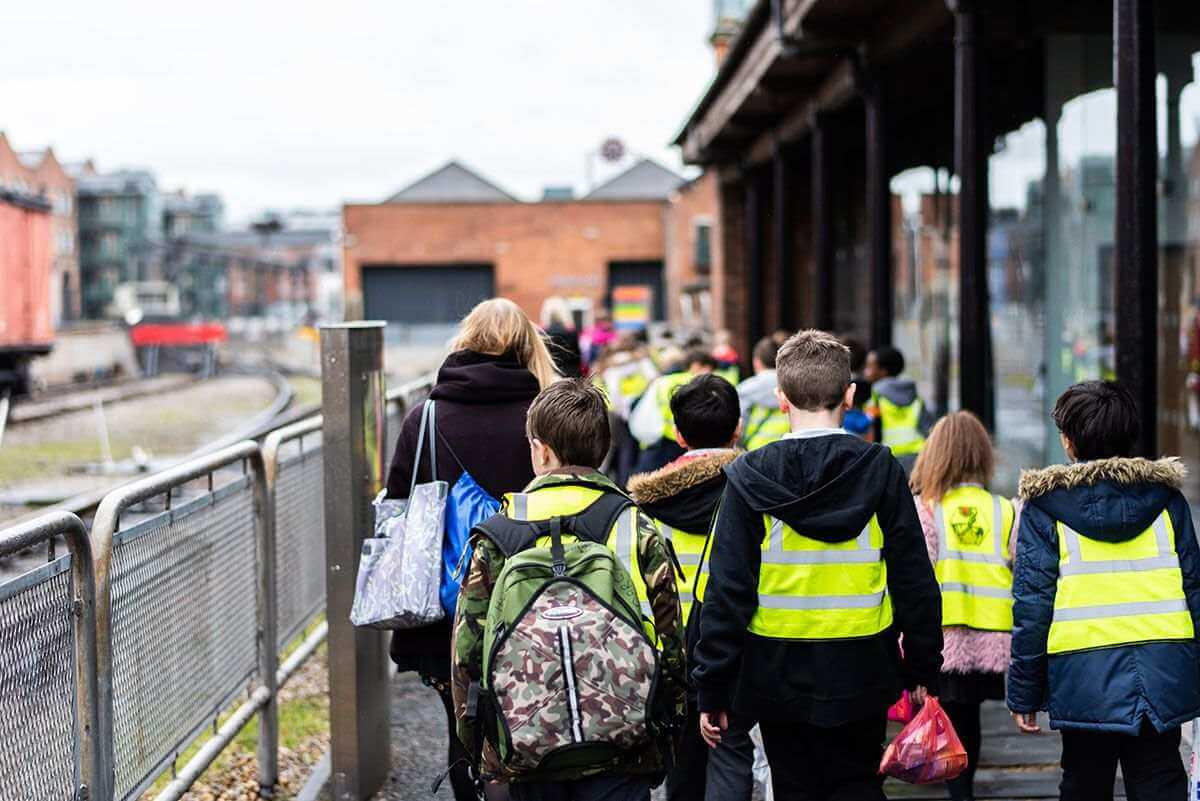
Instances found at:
x=774 y=579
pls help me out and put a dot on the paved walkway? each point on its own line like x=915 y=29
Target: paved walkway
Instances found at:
x=1013 y=767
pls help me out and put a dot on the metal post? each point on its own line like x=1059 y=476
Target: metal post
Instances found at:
x=971 y=147
x=353 y=409
x=754 y=258
x=822 y=224
x=785 y=293
x=268 y=616
x=879 y=213
x=1137 y=231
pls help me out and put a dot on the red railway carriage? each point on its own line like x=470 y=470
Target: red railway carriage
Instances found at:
x=26 y=325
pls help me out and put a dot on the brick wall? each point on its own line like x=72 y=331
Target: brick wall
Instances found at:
x=694 y=204
x=538 y=250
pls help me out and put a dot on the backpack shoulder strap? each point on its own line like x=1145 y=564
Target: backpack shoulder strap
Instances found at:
x=595 y=522
x=510 y=536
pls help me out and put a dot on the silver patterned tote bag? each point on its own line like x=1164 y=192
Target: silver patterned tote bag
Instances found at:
x=400 y=571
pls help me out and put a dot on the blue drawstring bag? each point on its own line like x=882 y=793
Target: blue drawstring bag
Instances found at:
x=467 y=505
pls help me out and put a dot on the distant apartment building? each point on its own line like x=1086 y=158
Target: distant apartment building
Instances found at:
x=185 y=214
x=38 y=173
x=120 y=234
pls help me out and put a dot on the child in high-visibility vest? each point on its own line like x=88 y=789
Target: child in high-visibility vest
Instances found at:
x=902 y=419
x=762 y=419
x=817 y=567
x=969 y=535
x=1106 y=609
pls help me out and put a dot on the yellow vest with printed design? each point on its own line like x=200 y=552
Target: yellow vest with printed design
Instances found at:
x=1118 y=593
x=901 y=425
x=809 y=589
x=764 y=426
x=566 y=499
x=974 y=531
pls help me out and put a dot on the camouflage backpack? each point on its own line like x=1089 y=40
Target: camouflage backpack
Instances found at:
x=570 y=677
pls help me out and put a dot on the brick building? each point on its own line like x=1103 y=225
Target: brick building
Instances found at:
x=39 y=173
x=425 y=255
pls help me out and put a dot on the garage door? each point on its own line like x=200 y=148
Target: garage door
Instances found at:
x=424 y=295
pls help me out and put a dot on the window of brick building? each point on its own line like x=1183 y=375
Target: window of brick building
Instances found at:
x=702 y=254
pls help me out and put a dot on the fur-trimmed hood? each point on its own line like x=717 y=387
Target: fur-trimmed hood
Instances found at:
x=1110 y=499
x=1169 y=471
x=684 y=493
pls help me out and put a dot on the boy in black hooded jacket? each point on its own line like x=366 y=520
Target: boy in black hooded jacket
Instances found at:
x=682 y=498
x=818 y=566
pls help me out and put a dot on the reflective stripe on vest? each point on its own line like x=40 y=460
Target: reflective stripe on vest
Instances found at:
x=764 y=426
x=1118 y=593
x=814 y=590
x=901 y=426
x=689 y=550
x=974 y=529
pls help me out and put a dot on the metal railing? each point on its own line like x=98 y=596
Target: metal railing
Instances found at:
x=117 y=656
x=49 y=705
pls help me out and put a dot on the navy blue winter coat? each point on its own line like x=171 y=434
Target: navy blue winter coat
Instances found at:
x=1113 y=689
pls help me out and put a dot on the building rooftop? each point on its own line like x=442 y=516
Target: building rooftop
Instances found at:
x=452 y=183
x=645 y=180
x=117 y=182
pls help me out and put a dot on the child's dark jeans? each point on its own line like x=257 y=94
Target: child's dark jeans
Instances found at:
x=1150 y=764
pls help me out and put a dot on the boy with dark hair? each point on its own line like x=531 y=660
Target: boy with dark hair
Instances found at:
x=1106 y=591
x=682 y=498
x=818 y=566
x=902 y=419
x=762 y=419
x=562 y=685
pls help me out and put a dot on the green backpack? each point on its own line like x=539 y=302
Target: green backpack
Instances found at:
x=570 y=678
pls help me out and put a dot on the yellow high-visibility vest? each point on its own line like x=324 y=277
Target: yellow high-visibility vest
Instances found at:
x=1118 y=593
x=764 y=426
x=664 y=388
x=731 y=373
x=974 y=531
x=555 y=501
x=814 y=590
x=689 y=550
x=901 y=425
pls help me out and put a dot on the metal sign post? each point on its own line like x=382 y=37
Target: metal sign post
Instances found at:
x=353 y=407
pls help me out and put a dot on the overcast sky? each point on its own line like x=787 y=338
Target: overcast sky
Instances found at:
x=283 y=104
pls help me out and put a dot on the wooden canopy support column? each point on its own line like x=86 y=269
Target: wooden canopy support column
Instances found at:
x=753 y=244
x=1136 y=224
x=785 y=288
x=879 y=212
x=822 y=224
x=971 y=148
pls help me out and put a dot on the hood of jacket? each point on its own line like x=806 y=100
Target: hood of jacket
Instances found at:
x=900 y=391
x=826 y=487
x=1113 y=500
x=758 y=390
x=479 y=378
x=684 y=493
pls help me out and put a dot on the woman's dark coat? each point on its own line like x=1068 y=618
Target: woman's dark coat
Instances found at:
x=481 y=406
x=1113 y=689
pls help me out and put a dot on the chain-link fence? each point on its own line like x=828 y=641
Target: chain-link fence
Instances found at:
x=184 y=626
x=47 y=667
x=113 y=663
x=295 y=470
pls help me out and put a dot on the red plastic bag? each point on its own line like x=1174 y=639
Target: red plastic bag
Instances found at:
x=927 y=750
x=902 y=711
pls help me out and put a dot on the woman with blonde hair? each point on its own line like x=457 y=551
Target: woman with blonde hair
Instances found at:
x=498 y=365
x=970 y=534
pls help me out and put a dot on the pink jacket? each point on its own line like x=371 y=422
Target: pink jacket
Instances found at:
x=967 y=650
